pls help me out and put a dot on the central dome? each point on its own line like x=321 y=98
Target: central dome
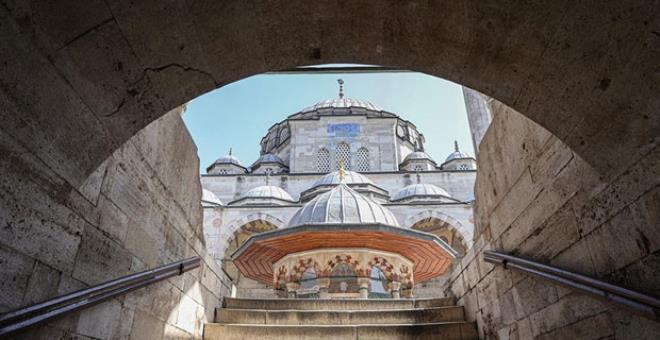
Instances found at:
x=342 y=107
x=342 y=205
x=343 y=103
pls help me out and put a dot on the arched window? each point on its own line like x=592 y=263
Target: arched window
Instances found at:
x=323 y=160
x=362 y=159
x=343 y=154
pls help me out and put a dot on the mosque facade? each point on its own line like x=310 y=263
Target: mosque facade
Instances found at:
x=349 y=165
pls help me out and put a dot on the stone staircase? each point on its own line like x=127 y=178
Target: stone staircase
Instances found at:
x=249 y=319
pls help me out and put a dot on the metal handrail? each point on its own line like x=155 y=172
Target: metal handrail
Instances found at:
x=22 y=318
x=645 y=305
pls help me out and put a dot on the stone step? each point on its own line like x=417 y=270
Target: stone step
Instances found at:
x=317 y=304
x=437 y=331
x=339 y=317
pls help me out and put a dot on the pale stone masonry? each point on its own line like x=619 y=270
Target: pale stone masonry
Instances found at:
x=299 y=154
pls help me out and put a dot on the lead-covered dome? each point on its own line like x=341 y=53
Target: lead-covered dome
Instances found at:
x=457 y=154
x=342 y=205
x=350 y=178
x=209 y=198
x=268 y=158
x=417 y=155
x=228 y=159
x=268 y=191
x=342 y=103
x=420 y=190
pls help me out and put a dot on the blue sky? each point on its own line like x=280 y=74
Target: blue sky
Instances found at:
x=238 y=115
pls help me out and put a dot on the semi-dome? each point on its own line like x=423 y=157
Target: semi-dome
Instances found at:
x=268 y=158
x=419 y=189
x=268 y=191
x=418 y=155
x=342 y=205
x=350 y=178
x=209 y=197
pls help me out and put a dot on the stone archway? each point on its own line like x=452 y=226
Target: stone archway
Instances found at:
x=109 y=70
x=445 y=232
x=240 y=231
x=444 y=226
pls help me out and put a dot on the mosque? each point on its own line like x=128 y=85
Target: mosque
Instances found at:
x=342 y=203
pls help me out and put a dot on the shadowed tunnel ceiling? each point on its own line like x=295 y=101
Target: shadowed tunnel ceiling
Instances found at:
x=78 y=81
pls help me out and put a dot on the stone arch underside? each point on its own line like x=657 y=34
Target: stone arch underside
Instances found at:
x=109 y=70
x=442 y=225
x=240 y=231
x=445 y=232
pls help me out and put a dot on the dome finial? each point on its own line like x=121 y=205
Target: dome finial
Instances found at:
x=229 y=151
x=268 y=178
x=341 y=87
x=419 y=179
x=342 y=172
x=456 y=146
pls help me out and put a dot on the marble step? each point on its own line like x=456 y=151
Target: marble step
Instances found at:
x=338 y=317
x=437 y=331
x=317 y=304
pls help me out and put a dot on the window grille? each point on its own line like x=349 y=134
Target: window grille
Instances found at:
x=323 y=160
x=362 y=159
x=343 y=154
x=463 y=167
x=418 y=167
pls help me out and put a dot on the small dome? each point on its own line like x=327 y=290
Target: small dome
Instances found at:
x=268 y=191
x=417 y=155
x=420 y=190
x=350 y=178
x=210 y=197
x=268 y=158
x=345 y=206
x=457 y=154
x=342 y=103
x=228 y=159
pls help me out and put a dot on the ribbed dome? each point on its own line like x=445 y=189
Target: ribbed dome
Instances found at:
x=268 y=158
x=342 y=103
x=228 y=159
x=350 y=177
x=417 y=155
x=268 y=191
x=420 y=190
x=342 y=205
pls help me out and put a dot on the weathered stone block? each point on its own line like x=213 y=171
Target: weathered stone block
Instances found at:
x=100 y=321
x=100 y=258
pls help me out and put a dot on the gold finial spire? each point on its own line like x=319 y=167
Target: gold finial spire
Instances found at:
x=342 y=172
x=341 y=87
x=456 y=145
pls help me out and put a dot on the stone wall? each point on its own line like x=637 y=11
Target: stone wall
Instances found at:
x=140 y=209
x=537 y=199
